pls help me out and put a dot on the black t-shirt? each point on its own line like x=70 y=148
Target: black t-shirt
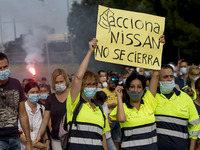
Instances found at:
x=198 y=108
x=57 y=110
x=11 y=94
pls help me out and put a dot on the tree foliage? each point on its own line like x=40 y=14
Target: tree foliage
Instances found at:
x=182 y=29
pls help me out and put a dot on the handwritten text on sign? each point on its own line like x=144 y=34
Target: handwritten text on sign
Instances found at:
x=129 y=38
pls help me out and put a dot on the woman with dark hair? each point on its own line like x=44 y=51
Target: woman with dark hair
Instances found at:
x=136 y=116
x=44 y=93
x=35 y=114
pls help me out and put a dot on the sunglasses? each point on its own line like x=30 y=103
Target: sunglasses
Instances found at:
x=114 y=79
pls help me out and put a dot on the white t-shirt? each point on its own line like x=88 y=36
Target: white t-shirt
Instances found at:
x=35 y=121
x=105 y=108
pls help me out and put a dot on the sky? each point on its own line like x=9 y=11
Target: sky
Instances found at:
x=30 y=14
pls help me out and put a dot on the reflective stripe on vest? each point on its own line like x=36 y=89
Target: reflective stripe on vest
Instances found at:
x=194 y=133
x=88 y=128
x=172 y=133
x=194 y=122
x=178 y=121
x=140 y=130
x=85 y=141
x=139 y=142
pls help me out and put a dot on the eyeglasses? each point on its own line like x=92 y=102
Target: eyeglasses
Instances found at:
x=91 y=84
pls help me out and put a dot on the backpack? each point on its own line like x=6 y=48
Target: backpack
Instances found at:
x=64 y=133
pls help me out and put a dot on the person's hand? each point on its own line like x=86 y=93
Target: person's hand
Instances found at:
x=162 y=39
x=28 y=146
x=93 y=44
x=38 y=145
x=113 y=105
x=118 y=91
x=38 y=138
x=178 y=64
x=47 y=143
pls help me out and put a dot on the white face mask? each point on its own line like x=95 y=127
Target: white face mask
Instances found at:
x=166 y=87
x=105 y=84
x=60 y=87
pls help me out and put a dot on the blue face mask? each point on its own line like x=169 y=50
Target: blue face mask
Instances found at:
x=135 y=95
x=175 y=74
x=4 y=74
x=141 y=73
x=183 y=70
x=166 y=87
x=146 y=88
x=98 y=89
x=60 y=87
x=147 y=74
x=33 y=98
x=44 y=96
x=89 y=92
x=124 y=81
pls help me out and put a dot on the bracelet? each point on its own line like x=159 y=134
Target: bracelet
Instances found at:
x=47 y=140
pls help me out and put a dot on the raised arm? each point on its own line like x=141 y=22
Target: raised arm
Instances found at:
x=155 y=77
x=121 y=117
x=77 y=82
x=154 y=82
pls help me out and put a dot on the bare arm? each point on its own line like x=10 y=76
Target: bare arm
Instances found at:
x=77 y=82
x=47 y=140
x=121 y=117
x=112 y=105
x=43 y=126
x=24 y=121
x=155 y=77
x=36 y=145
x=154 y=82
x=192 y=144
x=105 y=145
x=49 y=125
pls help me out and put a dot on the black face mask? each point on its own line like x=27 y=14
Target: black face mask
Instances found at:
x=111 y=88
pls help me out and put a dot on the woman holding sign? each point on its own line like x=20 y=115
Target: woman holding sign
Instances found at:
x=91 y=124
x=136 y=116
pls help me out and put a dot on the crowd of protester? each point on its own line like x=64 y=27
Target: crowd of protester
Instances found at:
x=142 y=108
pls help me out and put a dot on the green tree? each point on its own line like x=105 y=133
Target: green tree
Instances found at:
x=182 y=28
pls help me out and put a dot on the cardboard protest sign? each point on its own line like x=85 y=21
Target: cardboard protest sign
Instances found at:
x=129 y=38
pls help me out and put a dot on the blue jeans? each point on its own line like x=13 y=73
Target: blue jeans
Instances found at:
x=111 y=145
x=10 y=144
x=116 y=131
